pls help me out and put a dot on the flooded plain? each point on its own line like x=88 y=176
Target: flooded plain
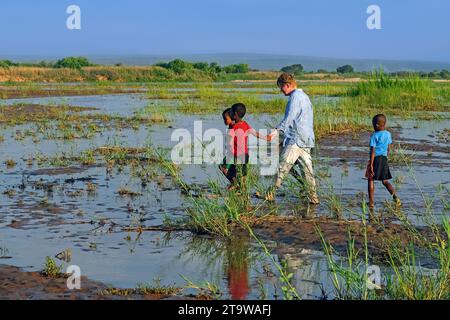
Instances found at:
x=50 y=202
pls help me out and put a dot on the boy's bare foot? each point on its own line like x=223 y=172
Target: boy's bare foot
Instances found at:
x=269 y=196
x=371 y=207
x=397 y=201
x=314 y=200
x=259 y=195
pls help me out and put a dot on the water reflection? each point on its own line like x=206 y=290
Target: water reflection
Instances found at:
x=236 y=264
x=310 y=272
x=232 y=260
x=246 y=273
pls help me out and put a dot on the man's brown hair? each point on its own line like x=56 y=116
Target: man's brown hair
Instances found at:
x=285 y=78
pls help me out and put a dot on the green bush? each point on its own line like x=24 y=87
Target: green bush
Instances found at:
x=73 y=63
x=345 y=69
x=444 y=74
x=204 y=66
x=178 y=66
x=294 y=69
x=7 y=63
x=213 y=69
x=237 y=68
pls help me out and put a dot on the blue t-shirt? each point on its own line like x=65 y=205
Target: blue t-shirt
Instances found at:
x=380 y=140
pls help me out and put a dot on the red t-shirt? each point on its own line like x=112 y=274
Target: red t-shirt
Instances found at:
x=239 y=135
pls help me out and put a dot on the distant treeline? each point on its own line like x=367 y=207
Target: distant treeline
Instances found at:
x=69 y=62
x=178 y=66
x=81 y=69
x=348 y=70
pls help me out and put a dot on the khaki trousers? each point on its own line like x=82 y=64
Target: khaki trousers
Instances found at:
x=301 y=157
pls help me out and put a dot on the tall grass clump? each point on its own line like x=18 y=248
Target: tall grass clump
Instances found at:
x=337 y=117
x=349 y=273
x=412 y=281
x=384 y=92
x=220 y=212
x=416 y=264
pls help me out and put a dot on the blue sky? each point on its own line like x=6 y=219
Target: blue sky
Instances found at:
x=411 y=29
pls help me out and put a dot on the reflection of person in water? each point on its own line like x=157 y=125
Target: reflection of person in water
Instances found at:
x=237 y=268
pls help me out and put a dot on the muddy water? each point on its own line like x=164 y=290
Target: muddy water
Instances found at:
x=50 y=210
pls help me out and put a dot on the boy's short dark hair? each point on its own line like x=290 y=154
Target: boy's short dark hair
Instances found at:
x=239 y=109
x=226 y=113
x=379 y=119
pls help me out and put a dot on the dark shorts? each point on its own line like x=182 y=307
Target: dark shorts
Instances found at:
x=381 y=169
x=236 y=170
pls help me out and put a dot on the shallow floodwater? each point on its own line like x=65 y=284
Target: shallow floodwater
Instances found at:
x=51 y=211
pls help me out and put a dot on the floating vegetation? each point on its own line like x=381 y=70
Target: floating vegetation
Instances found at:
x=123 y=191
x=10 y=163
x=91 y=187
x=9 y=192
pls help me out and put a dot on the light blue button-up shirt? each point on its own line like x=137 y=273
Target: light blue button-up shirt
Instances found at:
x=298 y=123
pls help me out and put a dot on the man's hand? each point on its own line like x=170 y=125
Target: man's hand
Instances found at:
x=273 y=134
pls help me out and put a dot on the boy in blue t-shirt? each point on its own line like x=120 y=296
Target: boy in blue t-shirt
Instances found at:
x=378 y=168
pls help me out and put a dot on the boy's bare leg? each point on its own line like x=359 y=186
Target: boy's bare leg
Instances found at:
x=371 y=190
x=389 y=187
x=391 y=190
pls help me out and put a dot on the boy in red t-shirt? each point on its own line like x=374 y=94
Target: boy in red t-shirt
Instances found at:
x=237 y=146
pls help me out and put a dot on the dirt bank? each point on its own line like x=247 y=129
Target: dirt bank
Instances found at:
x=18 y=284
x=304 y=233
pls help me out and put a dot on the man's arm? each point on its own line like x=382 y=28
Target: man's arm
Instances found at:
x=260 y=136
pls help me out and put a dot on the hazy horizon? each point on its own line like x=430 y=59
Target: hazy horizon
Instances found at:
x=255 y=60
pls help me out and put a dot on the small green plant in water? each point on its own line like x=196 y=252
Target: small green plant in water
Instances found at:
x=51 y=268
x=206 y=288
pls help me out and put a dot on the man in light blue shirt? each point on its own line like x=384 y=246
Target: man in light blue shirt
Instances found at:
x=297 y=129
x=297 y=125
